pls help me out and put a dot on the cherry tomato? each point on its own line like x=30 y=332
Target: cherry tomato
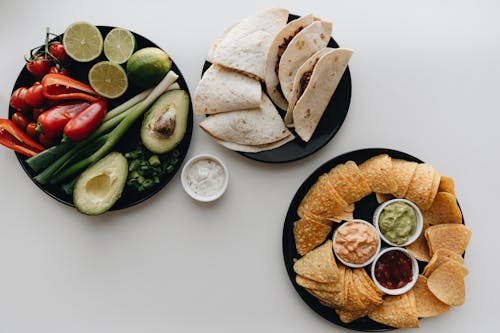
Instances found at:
x=57 y=70
x=39 y=66
x=56 y=49
x=18 y=100
x=37 y=112
x=46 y=141
x=20 y=119
x=31 y=130
x=34 y=96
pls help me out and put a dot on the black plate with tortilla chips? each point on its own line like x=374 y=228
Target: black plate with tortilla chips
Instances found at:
x=363 y=210
x=79 y=71
x=329 y=125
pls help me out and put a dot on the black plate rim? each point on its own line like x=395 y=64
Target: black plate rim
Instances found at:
x=288 y=245
x=185 y=143
x=341 y=116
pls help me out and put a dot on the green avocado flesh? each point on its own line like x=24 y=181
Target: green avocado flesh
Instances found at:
x=101 y=185
x=165 y=123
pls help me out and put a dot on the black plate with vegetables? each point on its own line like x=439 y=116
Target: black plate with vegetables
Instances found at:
x=161 y=167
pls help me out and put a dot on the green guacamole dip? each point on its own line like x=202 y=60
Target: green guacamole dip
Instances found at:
x=398 y=222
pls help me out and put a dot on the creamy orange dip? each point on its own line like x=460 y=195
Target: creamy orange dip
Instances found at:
x=355 y=243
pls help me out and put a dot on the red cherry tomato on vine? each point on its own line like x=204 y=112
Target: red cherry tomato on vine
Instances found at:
x=34 y=96
x=57 y=70
x=31 y=130
x=58 y=52
x=38 y=67
x=18 y=100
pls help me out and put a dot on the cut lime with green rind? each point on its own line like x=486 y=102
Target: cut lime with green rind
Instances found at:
x=108 y=79
x=119 y=45
x=147 y=66
x=82 y=41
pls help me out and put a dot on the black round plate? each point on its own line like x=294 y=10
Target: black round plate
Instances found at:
x=364 y=209
x=329 y=125
x=79 y=71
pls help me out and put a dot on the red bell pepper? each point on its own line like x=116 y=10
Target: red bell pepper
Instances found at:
x=58 y=87
x=52 y=121
x=85 y=122
x=11 y=136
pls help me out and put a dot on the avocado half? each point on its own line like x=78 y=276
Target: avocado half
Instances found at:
x=101 y=185
x=165 y=123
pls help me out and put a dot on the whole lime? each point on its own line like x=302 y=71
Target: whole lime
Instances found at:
x=147 y=66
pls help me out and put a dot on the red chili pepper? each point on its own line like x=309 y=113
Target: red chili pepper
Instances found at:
x=85 y=122
x=52 y=121
x=14 y=138
x=61 y=87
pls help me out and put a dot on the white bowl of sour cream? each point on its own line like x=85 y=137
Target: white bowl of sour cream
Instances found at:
x=204 y=177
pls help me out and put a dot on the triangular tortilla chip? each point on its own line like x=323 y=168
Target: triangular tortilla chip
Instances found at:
x=223 y=90
x=378 y=172
x=444 y=209
x=383 y=197
x=246 y=45
x=308 y=234
x=453 y=237
x=419 y=248
x=397 y=311
x=447 y=184
x=447 y=283
x=402 y=172
x=440 y=257
x=319 y=264
x=349 y=182
x=421 y=185
x=428 y=305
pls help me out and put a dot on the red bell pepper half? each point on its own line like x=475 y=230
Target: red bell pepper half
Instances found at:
x=85 y=122
x=12 y=137
x=58 y=87
x=52 y=121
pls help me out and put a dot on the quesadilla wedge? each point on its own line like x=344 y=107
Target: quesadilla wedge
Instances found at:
x=245 y=46
x=252 y=127
x=307 y=42
x=223 y=90
x=276 y=50
x=314 y=89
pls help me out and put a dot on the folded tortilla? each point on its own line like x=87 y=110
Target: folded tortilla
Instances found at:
x=253 y=127
x=257 y=148
x=307 y=42
x=245 y=46
x=276 y=50
x=314 y=89
x=222 y=90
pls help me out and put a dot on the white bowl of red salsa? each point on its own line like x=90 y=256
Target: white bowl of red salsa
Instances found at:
x=394 y=271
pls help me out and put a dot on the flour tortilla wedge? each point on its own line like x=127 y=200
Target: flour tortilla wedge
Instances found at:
x=313 y=101
x=311 y=39
x=223 y=90
x=278 y=46
x=256 y=148
x=245 y=46
x=248 y=127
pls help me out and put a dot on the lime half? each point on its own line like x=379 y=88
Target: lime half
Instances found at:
x=119 y=45
x=82 y=41
x=108 y=79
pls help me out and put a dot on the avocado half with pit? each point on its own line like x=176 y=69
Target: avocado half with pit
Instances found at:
x=165 y=123
x=101 y=185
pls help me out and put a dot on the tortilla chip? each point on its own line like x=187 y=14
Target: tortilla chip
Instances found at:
x=428 y=305
x=378 y=172
x=402 y=172
x=322 y=200
x=349 y=182
x=444 y=209
x=309 y=234
x=440 y=257
x=354 y=301
x=453 y=237
x=447 y=283
x=319 y=264
x=397 y=311
x=368 y=292
x=434 y=188
x=349 y=316
x=383 y=197
x=447 y=185
x=420 y=188
x=346 y=215
x=332 y=294
x=419 y=248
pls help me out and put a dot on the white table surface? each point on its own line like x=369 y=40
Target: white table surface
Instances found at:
x=426 y=81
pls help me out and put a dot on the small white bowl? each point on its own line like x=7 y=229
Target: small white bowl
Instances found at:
x=418 y=229
x=406 y=287
x=188 y=177
x=367 y=261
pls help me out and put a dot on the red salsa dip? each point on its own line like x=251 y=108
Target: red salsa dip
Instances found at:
x=393 y=270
